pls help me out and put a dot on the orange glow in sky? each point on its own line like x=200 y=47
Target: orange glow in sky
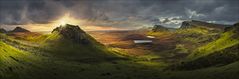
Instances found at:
x=65 y=19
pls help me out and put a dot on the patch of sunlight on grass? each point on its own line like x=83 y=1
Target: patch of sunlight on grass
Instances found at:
x=119 y=52
x=11 y=56
x=151 y=63
x=148 y=57
x=223 y=42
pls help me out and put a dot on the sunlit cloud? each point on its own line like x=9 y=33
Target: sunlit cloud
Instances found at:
x=66 y=19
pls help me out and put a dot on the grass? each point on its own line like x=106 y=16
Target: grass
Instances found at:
x=220 y=52
x=59 y=46
x=63 y=59
x=18 y=64
x=229 y=71
x=14 y=61
x=226 y=40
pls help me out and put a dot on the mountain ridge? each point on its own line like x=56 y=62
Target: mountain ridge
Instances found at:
x=219 y=52
x=19 y=29
x=195 y=23
x=2 y=30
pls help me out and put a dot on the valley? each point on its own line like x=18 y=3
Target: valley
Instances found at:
x=68 y=52
x=119 y=39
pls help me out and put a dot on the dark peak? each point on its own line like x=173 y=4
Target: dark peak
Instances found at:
x=186 y=24
x=191 y=23
x=157 y=28
x=73 y=33
x=20 y=29
x=68 y=28
x=236 y=24
x=2 y=30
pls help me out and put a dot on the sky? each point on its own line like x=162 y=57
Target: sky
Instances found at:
x=43 y=15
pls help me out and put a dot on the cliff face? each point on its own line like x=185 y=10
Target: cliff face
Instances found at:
x=187 y=24
x=194 y=23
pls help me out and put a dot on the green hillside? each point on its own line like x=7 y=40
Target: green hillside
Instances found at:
x=60 y=57
x=70 y=53
x=220 y=52
x=227 y=39
x=18 y=64
x=15 y=63
x=65 y=43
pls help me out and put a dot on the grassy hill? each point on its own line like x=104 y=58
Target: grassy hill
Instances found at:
x=15 y=63
x=71 y=42
x=220 y=52
x=70 y=53
x=19 y=64
x=184 y=41
x=58 y=57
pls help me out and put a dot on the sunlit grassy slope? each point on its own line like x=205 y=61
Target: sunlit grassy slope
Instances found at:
x=227 y=39
x=223 y=51
x=14 y=61
x=11 y=55
x=19 y=64
x=60 y=58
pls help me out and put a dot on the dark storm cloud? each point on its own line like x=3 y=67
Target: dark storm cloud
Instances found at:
x=120 y=13
x=29 y=11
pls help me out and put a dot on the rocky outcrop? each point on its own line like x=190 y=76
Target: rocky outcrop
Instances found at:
x=235 y=26
x=187 y=24
x=19 y=29
x=2 y=30
x=73 y=33
x=158 y=28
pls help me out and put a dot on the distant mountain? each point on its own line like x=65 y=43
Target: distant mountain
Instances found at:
x=2 y=30
x=158 y=28
x=19 y=29
x=235 y=26
x=195 y=23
